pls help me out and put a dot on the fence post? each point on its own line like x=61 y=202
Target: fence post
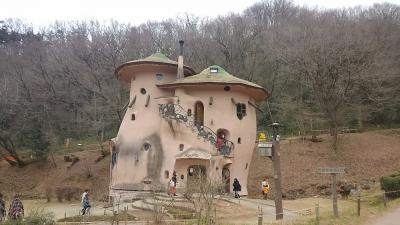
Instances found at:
x=260 y=219
x=317 y=214
x=126 y=215
x=384 y=199
x=215 y=215
x=359 y=205
x=260 y=215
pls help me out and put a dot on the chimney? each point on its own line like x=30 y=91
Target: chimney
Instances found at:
x=179 y=74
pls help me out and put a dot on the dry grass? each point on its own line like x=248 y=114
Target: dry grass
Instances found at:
x=371 y=207
x=366 y=156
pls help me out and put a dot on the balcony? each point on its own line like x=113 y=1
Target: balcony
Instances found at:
x=170 y=111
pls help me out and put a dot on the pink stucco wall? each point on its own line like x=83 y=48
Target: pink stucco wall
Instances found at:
x=136 y=165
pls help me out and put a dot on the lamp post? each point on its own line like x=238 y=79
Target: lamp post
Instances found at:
x=271 y=150
x=276 y=159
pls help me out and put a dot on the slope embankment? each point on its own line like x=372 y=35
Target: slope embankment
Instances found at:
x=367 y=156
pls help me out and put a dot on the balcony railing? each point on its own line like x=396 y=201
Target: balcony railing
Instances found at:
x=170 y=111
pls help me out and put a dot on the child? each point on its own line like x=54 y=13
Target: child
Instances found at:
x=265 y=187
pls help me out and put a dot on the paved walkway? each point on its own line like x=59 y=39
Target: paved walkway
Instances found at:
x=266 y=206
x=390 y=218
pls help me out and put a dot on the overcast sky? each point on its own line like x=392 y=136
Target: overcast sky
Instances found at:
x=43 y=12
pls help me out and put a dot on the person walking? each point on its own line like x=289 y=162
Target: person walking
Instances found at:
x=85 y=202
x=16 y=210
x=236 y=187
x=265 y=187
x=2 y=208
x=172 y=184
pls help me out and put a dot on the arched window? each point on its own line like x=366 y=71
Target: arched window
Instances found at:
x=199 y=114
x=240 y=110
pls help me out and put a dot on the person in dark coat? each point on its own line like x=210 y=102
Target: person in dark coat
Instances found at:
x=236 y=187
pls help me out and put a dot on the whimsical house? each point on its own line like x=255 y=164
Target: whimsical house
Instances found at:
x=177 y=120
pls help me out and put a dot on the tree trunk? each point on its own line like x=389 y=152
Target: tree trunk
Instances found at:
x=333 y=128
x=360 y=122
x=335 y=136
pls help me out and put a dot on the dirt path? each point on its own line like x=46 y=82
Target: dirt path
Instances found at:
x=60 y=209
x=267 y=208
x=390 y=218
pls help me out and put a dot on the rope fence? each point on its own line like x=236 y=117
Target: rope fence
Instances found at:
x=316 y=212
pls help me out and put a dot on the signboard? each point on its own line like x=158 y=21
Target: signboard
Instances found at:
x=331 y=170
x=265 y=149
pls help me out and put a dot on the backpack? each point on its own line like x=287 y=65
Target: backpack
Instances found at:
x=171 y=183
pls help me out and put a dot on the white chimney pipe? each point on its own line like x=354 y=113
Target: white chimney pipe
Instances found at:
x=179 y=74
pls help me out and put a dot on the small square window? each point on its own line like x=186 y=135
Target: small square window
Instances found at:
x=159 y=76
x=213 y=70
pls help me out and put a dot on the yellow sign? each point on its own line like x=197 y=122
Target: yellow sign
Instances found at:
x=262 y=137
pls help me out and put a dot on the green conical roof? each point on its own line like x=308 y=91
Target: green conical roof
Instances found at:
x=214 y=75
x=156 y=58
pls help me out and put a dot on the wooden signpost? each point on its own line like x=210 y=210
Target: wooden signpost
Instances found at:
x=333 y=171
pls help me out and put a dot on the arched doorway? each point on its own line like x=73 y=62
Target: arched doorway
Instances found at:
x=195 y=175
x=226 y=178
x=199 y=114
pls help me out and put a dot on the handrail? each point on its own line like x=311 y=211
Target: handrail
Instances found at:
x=176 y=112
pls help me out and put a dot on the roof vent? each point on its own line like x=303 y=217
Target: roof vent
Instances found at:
x=214 y=70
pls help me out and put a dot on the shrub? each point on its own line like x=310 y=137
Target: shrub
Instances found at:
x=67 y=193
x=38 y=217
x=35 y=217
x=390 y=184
x=48 y=193
x=59 y=194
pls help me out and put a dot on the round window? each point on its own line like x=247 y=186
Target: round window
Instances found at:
x=143 y=91
x=146 y=146
x=159 y=76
